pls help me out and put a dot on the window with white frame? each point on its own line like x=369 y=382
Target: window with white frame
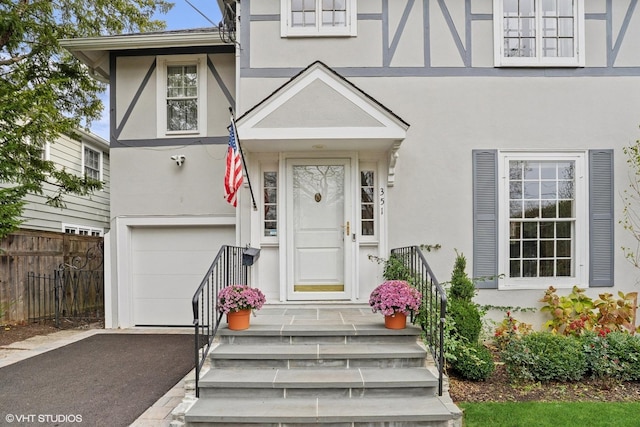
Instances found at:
x=367 y=202
x=92 y=163
x=318 y=18
x=543 y=229
x=539 y=33
x=46 y=151
x=181 y=89
x=270 y=200
x=82 y=230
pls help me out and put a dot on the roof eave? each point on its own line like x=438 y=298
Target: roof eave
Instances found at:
x=94 y=51
x=142 y=41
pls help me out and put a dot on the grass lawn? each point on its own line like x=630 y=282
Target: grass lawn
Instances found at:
x=552 y=414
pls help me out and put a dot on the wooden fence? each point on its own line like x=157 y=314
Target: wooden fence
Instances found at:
x=38 y=252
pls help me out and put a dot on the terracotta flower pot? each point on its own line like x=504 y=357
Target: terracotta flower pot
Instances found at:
x=239 y=320
x=396 y=321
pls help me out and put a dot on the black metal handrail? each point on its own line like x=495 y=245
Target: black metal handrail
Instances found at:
x=226 y=269
x=434 y=303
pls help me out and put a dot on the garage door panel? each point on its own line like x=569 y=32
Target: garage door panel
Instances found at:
x=168 y=264
x=166 y=312
x=171 y=239
x=173 y=262
x=168 y=286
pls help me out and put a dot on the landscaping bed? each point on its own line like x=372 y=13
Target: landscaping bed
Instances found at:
x=498 y=388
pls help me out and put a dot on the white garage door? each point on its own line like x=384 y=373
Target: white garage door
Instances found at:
x=168 y=264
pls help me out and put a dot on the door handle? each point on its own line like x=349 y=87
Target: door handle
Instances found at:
x=347 y=228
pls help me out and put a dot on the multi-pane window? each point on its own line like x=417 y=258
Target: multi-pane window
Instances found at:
x=318 y=17
x=82 y=230
x=544 y=220
x=367 y=202
x=91 y=163
x=541 y=218
x=182 y=97
x=270 y=191
x=539 y=32
x=305 y=13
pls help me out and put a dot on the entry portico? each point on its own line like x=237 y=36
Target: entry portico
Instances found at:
x=320 y=155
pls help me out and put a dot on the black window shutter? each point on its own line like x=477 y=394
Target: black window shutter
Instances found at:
x=485 y=218
x=601 y=218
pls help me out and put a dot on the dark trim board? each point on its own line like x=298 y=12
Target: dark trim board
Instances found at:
x=166 y=142
x=191 y=50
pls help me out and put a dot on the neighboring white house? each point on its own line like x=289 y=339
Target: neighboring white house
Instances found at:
x=494 y=127
x=82 y=215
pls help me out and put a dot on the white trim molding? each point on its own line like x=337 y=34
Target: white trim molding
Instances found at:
x=200 y=61
x=537 y=34
x=287 y=29
x=121 y=285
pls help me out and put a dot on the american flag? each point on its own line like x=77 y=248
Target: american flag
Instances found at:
x=233 y=173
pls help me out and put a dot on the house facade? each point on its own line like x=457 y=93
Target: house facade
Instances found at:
x=84 y=154
x=492 y=127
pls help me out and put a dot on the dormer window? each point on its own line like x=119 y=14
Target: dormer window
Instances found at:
x=318 y=18
x=539 y=33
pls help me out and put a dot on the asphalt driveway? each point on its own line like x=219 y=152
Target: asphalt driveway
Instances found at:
x=103 y=380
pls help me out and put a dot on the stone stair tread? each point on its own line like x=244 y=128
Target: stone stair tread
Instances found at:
x=318 y=410
x=316 y=351
x=318 y=378
x=347 y=329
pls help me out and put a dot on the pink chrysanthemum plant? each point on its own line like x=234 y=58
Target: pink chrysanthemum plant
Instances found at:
x=395 y=296
x=240 y=297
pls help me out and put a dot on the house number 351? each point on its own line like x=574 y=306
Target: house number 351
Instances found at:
x=381 y=201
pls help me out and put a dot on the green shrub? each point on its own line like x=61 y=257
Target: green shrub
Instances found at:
x=473 y=362
x=625 y=348
x=394 y=269
x=466 y=318
x=517 y=360
x=462 y=286
x=613 y=356
x=545 y=357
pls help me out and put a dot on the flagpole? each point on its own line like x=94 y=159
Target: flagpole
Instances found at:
x=244 y=164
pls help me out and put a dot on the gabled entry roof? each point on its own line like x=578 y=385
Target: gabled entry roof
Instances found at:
x=318 y=108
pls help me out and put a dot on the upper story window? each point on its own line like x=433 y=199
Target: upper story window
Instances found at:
x=181 y=92
x=92 y=163
x=545 y=33
x=182 y=97
x=318 y=18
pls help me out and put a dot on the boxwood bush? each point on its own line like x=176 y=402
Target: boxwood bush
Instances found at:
x=543 y=356
x=473 y=362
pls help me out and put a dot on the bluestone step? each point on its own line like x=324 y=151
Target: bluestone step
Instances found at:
x=415 y=411
x=337 y=383
x=319 y=334
x=309 y=355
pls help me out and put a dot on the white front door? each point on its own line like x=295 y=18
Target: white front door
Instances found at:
x=318 y=229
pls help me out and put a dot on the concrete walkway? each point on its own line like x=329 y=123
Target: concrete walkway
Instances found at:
x=158 y=415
